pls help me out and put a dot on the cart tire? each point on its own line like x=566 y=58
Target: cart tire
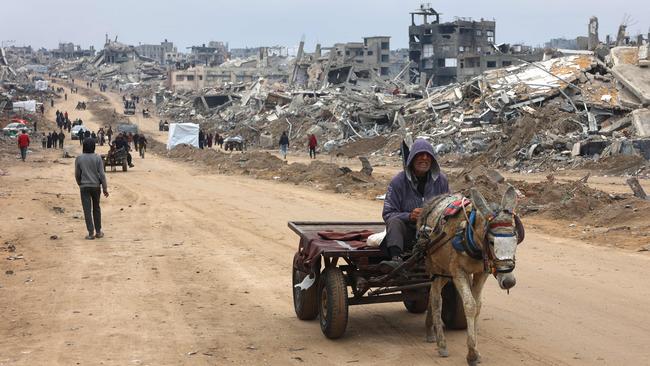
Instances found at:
x=419 y=305
x=453 y=313
x=333 y=303
x=125 y=166
x=305 y=302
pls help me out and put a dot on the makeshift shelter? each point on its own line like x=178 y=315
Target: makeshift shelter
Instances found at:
x=183 y=133
x=28 y=105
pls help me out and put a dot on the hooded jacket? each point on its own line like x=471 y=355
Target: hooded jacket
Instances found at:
x=402 y=195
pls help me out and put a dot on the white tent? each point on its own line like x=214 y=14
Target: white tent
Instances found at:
x=41 y=85
x=28 y=105
x=183 y=133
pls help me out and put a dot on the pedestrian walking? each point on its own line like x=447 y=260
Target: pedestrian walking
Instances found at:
x=284 y=145
x=44 y=141
x=55 y=139
x=23 y=144
x=66 y=96
x=61 y=138
x=312 y=146
x=89 y=173
x=49 y=140
x=52 y=103
x=35 y=126
x=201 y=139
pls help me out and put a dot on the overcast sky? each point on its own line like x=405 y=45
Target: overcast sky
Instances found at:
x=45 y=23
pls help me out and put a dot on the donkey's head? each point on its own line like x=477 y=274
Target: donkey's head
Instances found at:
x=495 y=229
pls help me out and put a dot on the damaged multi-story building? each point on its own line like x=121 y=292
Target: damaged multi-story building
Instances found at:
x=270 y=63
x=373 y=53
x=71 y=51
x=214 y=54
x=443 y=53
x=163 y=53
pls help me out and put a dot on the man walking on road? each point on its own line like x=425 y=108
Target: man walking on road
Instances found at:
x=23 y=144
x=284 y=145
x=89 y=173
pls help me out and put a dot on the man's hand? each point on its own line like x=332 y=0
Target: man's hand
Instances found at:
x=415 y=214
x=105 y=193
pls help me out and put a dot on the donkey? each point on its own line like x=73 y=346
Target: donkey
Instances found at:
x=495 y=235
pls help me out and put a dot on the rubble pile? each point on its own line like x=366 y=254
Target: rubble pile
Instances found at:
x=560 y=113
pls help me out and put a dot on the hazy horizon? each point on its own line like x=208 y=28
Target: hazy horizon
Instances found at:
x=284 y=22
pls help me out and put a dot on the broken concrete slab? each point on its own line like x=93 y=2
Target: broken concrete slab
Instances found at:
x=641 y=122
x=634 y=184
x=636 y=79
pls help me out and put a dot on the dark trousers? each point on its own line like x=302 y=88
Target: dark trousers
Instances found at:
x=23 y=153
x=400 y=236
x=92 y=212
x=312 y=150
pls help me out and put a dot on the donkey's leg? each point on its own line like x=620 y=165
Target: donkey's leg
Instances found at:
x=463 y=285
x=434 y=316
x=478 y=281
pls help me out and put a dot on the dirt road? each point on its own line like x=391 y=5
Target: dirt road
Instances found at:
x=195 y=270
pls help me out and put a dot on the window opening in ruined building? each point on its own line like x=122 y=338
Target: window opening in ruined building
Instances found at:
x=370 y=53
x=491 y=64
x=200 y=77
x=384 y=71
x=385 y=45
x=347 y=53
x=427 y=50
x=385 y=58
x=190 y=77
x=451 y=62
x=179 y=78
x=441 y=62
x=479 y=32
x=428 y=64
x=446 y=36
x=506 y=63
x=462 y=65
x=427 y=31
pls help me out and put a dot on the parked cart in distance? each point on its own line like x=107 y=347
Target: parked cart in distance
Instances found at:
x=334 y=268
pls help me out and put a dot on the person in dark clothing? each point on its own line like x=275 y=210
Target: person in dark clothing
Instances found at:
x=109 y=133
x=284 y=145
x=89 y=174
x=49 y=140
x=201 y=139
x=80 y=136
x=407 y=192
x=61 y=138
x=55 y=139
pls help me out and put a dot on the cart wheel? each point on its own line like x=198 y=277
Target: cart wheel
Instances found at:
x=453 y=313
x=417 y=302
x=305 y=302
x=125 y=166
x=333 y=303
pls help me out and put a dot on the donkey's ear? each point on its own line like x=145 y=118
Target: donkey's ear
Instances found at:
x=479 y=202
x=509 y=200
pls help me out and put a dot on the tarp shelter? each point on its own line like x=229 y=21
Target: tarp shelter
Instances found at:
x=41 y=85
x=28 y=105
x=183 y=133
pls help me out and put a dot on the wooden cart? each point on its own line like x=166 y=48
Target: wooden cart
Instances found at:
x=352 y=275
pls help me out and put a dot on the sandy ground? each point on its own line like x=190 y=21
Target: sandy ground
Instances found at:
x=195 y=270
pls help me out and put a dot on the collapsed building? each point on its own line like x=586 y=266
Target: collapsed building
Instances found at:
x=443 y=53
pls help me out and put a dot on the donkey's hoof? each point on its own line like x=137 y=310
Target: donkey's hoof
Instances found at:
x=431 y=339
x=474 y=362
x=443 y=352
